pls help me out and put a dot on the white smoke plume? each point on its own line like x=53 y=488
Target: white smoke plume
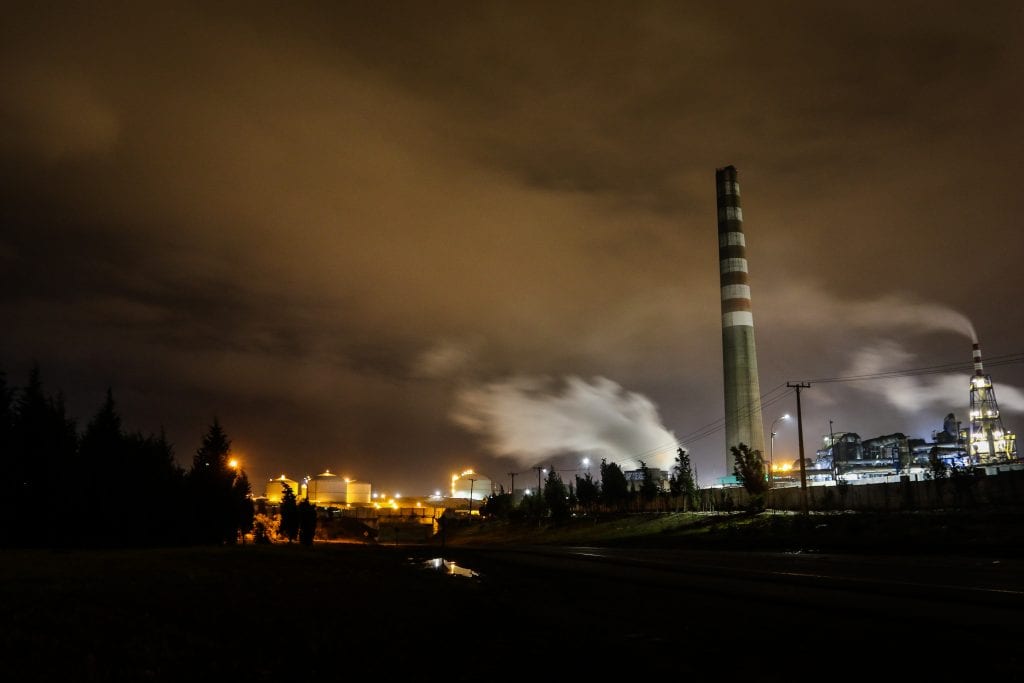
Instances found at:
x=806 y=303
x=916 y=393
x=908 y=314
x=532 y=418
x=1010 y=398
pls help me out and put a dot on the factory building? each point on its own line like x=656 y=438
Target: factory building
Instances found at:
x=846 y=457
x=635 y=478
x=984 y=442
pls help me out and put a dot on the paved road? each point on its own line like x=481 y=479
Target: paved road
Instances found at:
x=808 y=615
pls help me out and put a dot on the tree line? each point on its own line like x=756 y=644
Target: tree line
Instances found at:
x=108 y=486
x=557 y=500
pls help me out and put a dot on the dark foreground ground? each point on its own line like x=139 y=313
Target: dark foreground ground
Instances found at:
x=338 y=611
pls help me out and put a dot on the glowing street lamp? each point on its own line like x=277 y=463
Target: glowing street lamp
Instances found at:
x=771 y=451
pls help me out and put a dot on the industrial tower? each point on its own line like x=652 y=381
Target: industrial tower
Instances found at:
x=988 y=442
x=743 y=422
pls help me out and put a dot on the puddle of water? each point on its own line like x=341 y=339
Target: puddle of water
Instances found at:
x=449 y=567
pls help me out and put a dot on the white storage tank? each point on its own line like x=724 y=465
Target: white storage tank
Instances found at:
x=328 y=488
x=358 y=493
x=275 y=488
x=469 y=483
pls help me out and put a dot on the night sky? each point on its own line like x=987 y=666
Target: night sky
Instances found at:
x=398 y=240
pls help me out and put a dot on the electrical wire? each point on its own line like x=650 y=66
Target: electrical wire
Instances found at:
x=780 y=392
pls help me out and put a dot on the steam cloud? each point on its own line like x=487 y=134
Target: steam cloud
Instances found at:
x=916 y=393
x=804 y=304
x=911 y=315
x=1010 y=398
x=532 y=418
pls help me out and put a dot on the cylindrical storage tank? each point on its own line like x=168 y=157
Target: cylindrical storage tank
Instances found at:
x=471 y=484
x=327 y=489
x=274 y=490
x=358 y=493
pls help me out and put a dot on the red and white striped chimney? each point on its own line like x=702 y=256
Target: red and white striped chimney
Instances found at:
x=978 y=370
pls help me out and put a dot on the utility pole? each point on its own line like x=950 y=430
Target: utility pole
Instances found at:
x=513 y=491
x=539 y=468
x=800 y=432
x=471 y=482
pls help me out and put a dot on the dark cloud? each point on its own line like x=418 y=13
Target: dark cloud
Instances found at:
x=327 y=222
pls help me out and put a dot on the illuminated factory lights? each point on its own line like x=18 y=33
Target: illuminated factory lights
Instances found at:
x=989 y=442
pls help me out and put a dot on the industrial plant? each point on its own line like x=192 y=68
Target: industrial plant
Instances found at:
x=981 y=442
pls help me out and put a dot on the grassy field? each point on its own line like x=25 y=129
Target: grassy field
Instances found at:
x=991 y=533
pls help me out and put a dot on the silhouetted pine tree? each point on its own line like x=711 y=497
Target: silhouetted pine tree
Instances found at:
x=533 y=507
x=210 y=483
x=7 y=462
x=682 y=482
x=750 y=471
x=105 y=488
x=556 y=495
x=289 y=526
x=614 y=487
x=43 y=444
x=648 y=487
x=587 y=492
x=306 y=513
x=497 y=505
x=103 y=469
x=154 y=493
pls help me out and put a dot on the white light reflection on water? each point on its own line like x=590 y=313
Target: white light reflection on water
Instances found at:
x=449 y=567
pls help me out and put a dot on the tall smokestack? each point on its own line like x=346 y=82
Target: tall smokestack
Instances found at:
x=743 y=422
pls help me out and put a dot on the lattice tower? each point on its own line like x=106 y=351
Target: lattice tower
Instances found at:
x=988 y=441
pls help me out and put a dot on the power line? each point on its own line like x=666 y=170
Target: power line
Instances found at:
x=771 y=397
x=1007 y=359
x=781 y=392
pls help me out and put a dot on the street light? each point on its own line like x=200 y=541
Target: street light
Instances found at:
x=771 y=451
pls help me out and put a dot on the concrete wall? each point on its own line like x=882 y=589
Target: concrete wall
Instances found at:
x=997 y=490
